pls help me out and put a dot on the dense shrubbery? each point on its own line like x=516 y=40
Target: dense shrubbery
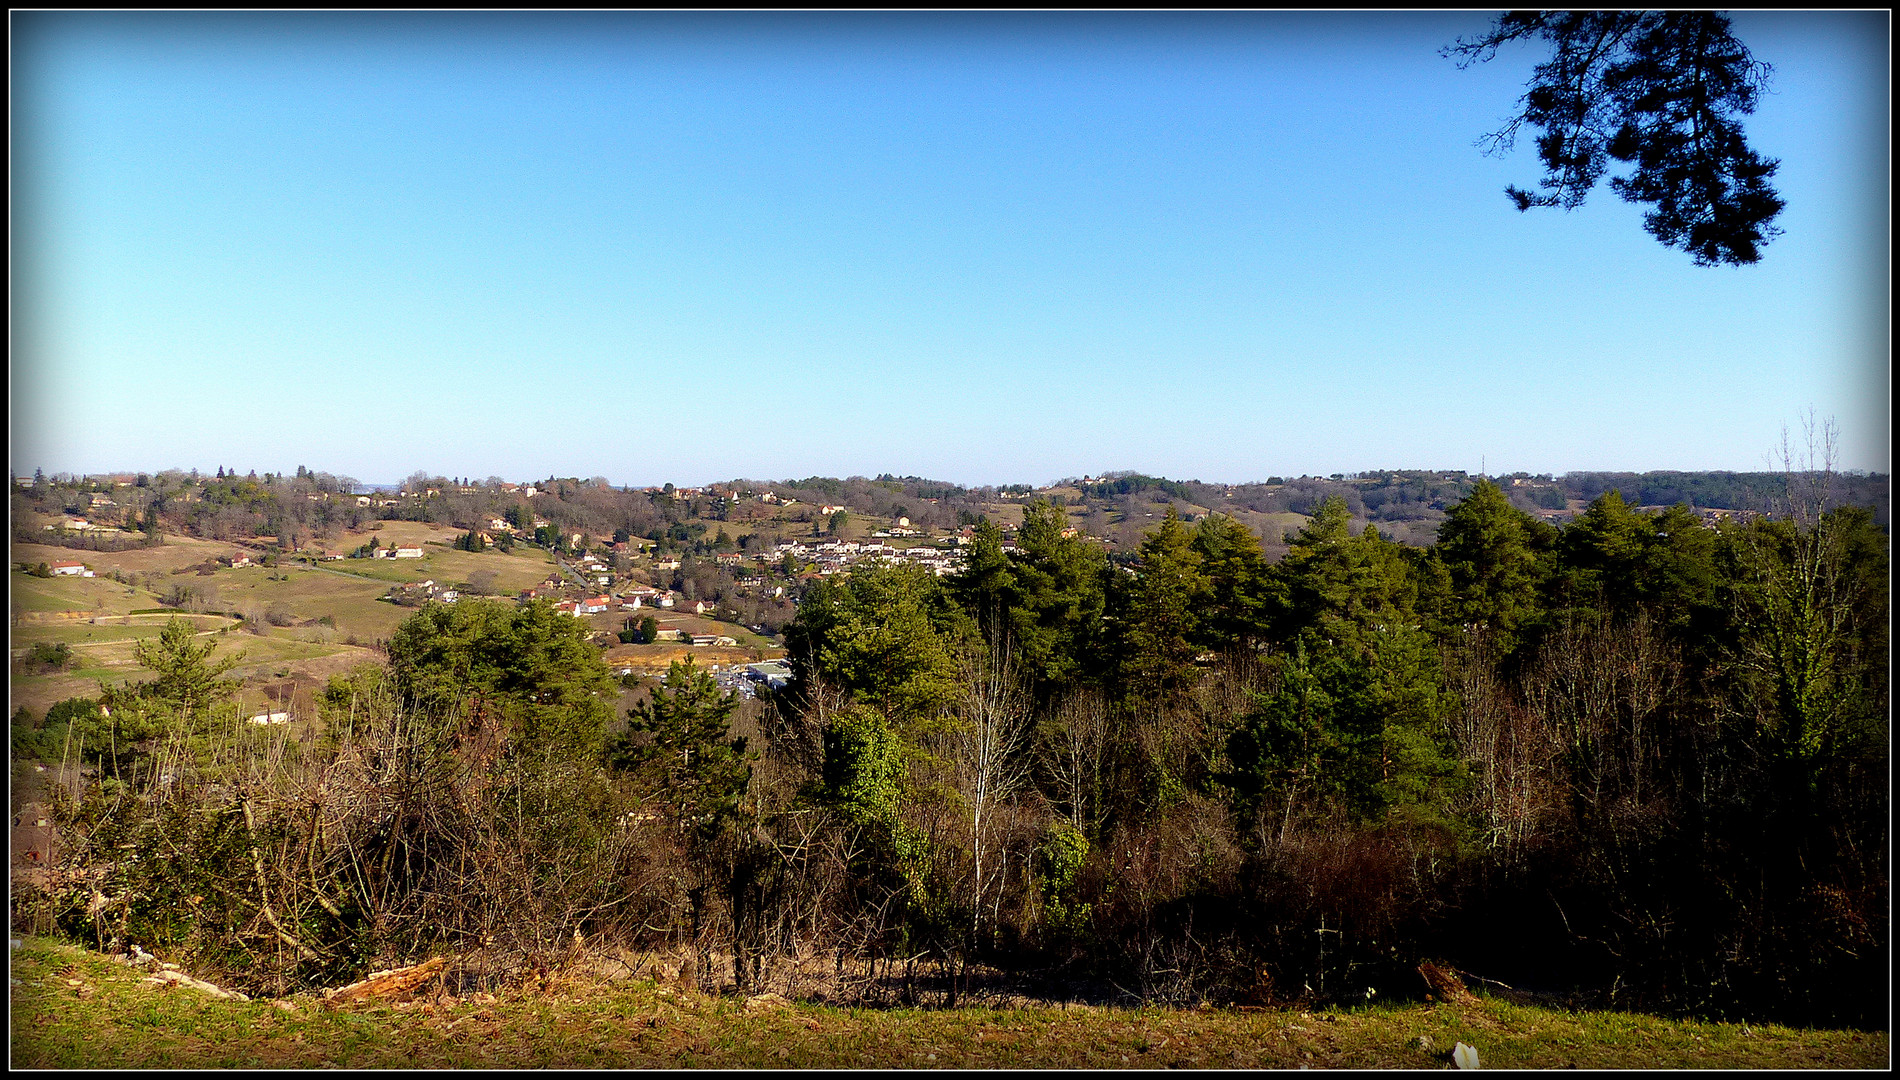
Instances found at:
x=1636 y=758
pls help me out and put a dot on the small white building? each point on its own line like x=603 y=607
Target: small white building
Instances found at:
x=407 y=553
x=271 y=717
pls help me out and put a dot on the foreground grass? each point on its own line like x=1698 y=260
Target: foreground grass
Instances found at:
x=74 y=1009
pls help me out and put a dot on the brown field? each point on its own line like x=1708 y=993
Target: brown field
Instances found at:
x=396 y=532
x=175 y=552
x=612 y=621
x=656 y=658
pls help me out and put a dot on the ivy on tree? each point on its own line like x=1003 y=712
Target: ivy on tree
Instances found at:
x=1662 y=91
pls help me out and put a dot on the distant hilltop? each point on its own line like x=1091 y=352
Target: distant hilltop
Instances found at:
x=1116 y=508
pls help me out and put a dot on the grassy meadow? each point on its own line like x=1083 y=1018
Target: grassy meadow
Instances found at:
x=73 y=1009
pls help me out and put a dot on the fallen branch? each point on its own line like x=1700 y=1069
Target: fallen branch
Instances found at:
x=398 y=984
x=179 y=978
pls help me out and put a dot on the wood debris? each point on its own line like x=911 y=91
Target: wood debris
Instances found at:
x=168 y=978
x=1445 y=985
x=398 y=984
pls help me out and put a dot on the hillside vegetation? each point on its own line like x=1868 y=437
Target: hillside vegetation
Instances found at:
x=1634 y=756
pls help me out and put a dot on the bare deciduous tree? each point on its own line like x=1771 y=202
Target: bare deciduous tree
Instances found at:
x=988 y=760
x=1074 y=746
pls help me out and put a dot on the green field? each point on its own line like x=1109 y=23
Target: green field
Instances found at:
x=346 y=591
x=72 y=1009
x=94 y=594
x=104 y=653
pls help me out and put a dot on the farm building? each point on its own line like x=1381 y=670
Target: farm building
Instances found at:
x=34 y=836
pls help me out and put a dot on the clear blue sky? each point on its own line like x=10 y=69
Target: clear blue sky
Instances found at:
x=981 y=248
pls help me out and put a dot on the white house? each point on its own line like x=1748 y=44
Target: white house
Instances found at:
x=271 y=717
x=407 y=553
x=72 y=569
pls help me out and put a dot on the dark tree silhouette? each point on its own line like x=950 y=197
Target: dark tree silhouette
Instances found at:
x=1660 y=90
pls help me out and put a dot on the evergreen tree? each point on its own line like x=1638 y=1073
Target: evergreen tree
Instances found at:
x=1338 y=583
x=1060 y=598
x=692 y=762
x=888 y=634
x=532 y=666
x=1485 y=544
x=986 y=586
x=188 y=680
x=1159 y=615
x=1236 y=571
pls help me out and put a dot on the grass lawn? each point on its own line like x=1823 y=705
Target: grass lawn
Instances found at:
x=73 y=1009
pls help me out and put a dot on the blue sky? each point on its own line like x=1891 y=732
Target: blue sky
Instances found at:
x=982 y=248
